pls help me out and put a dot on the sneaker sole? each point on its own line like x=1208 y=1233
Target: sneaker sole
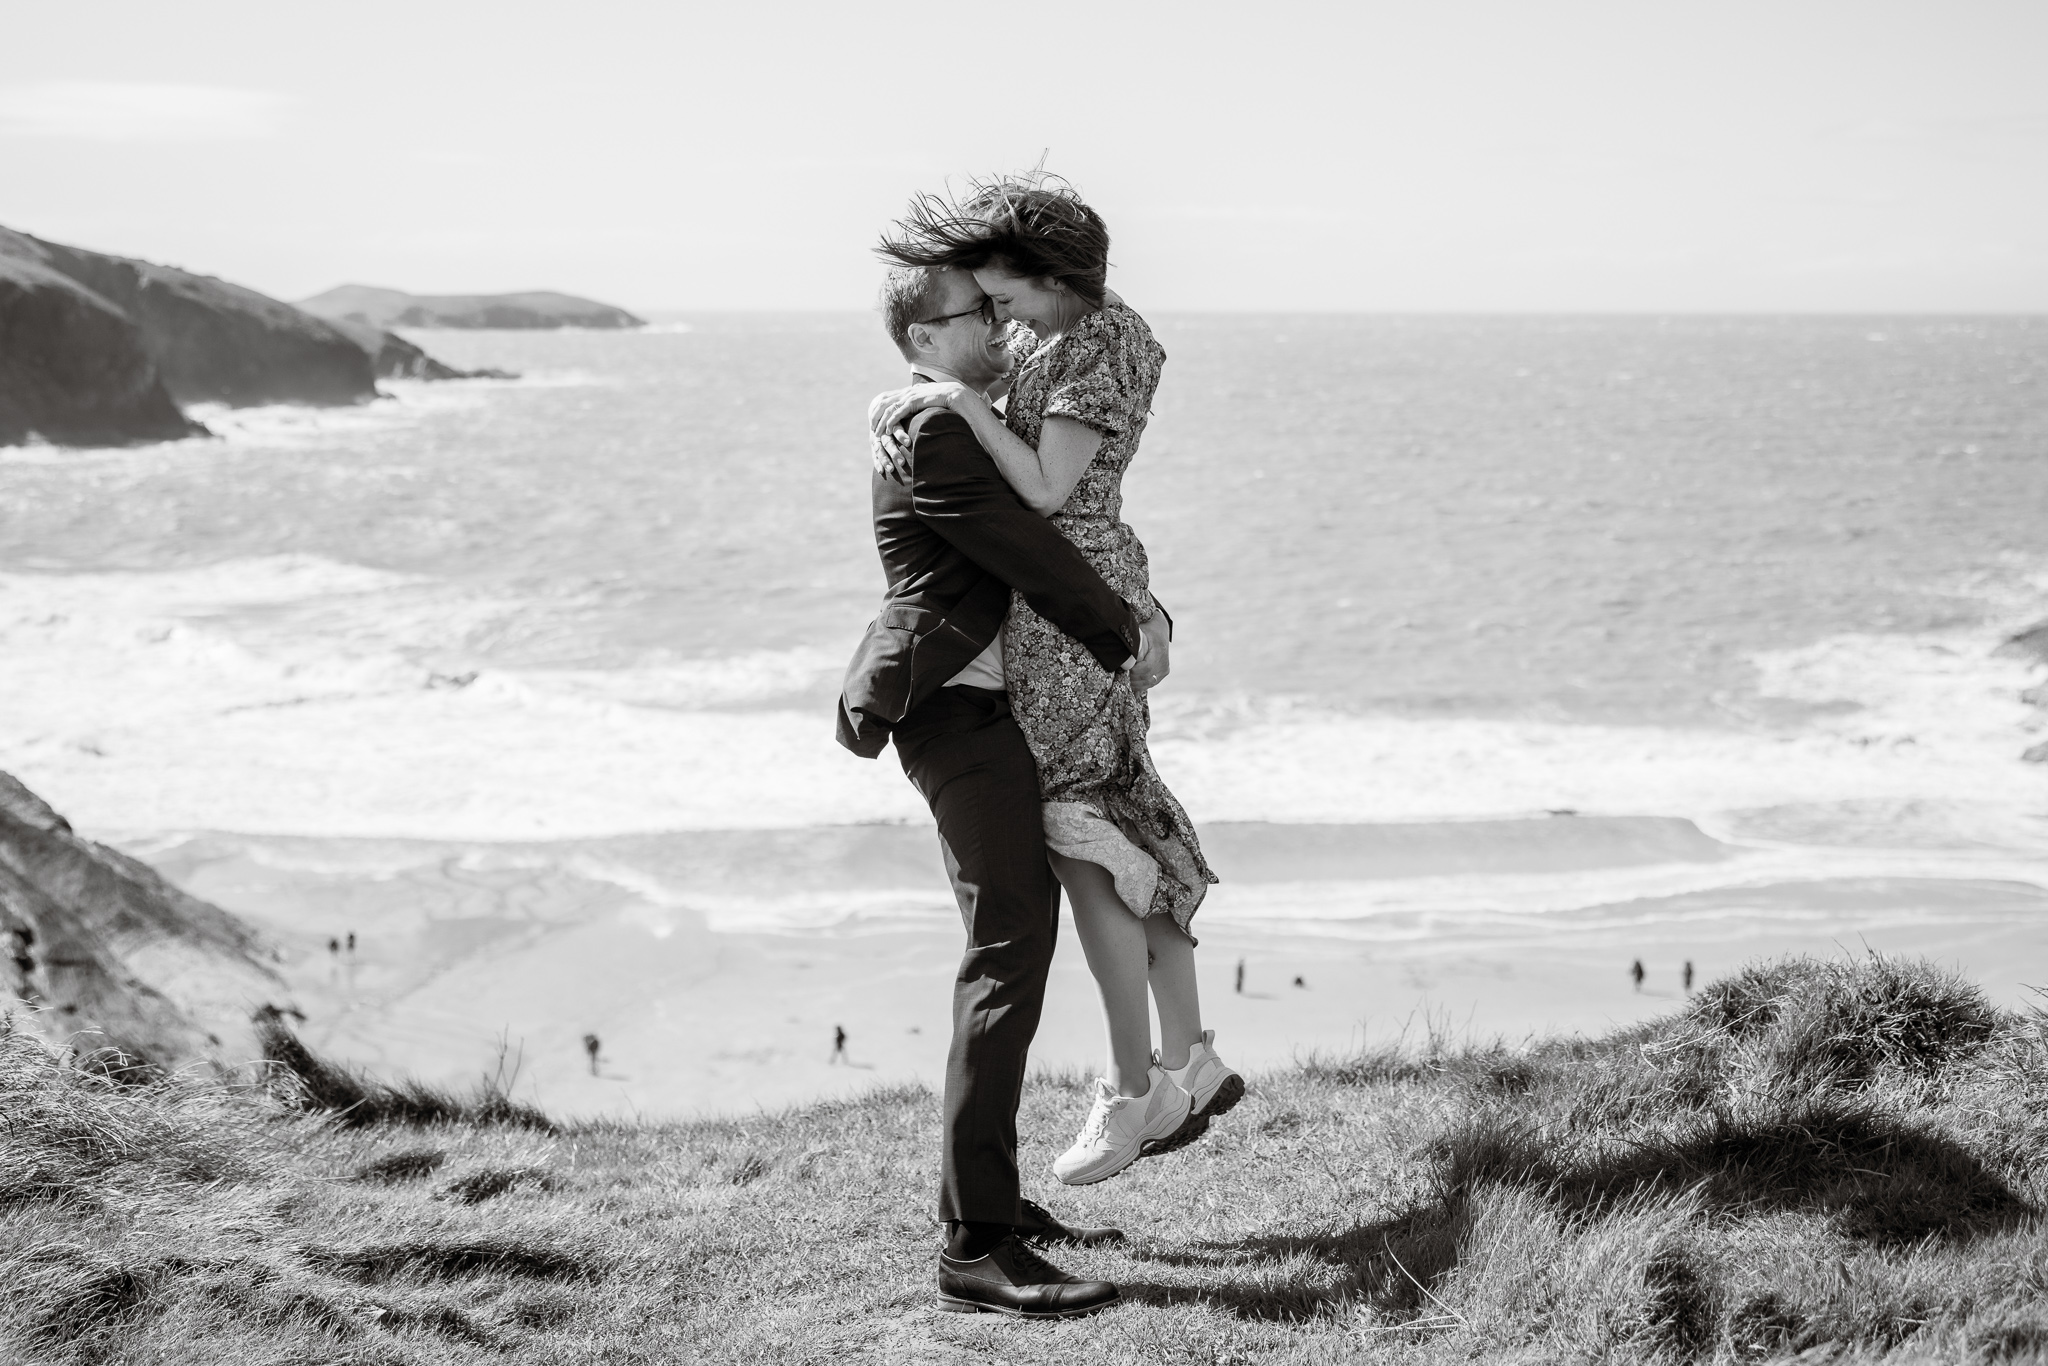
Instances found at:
x=1228 y=1093
x=1191 y=1128
x=952 y=1305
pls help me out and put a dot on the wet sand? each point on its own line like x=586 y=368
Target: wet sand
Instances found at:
x=714 y=965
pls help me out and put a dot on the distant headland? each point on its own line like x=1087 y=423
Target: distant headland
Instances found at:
x=100 y=350
x=367 y=305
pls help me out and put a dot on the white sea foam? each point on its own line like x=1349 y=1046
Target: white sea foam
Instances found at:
x=273 y=426
x=132 y=707
x=400 y=403
x=287 y=426
x=141 y=701
x=736 y=679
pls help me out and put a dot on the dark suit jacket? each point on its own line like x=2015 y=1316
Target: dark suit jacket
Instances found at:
x=953 y=545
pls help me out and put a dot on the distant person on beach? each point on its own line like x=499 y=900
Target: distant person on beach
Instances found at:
x=1240 y=976
x=590 y=1046
x=351 y=941
x=333 y=946
x=1688 y=975
x=1636 y=973
x=838 y=1044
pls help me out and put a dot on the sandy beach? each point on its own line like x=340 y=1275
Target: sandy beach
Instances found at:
x=715 y=965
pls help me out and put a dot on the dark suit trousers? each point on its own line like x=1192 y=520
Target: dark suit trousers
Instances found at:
x=964 y=752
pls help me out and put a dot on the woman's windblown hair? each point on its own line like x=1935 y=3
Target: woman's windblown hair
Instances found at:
x=1029 y=225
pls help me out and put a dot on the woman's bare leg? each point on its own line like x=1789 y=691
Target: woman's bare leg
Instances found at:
x=1114 y=942
x=1173 y=989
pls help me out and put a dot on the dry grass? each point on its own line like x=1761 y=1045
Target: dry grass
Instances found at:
x=1835 y=1161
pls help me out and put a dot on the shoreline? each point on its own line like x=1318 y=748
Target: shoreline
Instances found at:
x=714 y=965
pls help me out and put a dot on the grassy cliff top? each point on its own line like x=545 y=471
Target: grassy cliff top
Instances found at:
x=1840 y=1159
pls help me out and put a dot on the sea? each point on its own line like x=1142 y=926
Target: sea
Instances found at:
x=1754 y=575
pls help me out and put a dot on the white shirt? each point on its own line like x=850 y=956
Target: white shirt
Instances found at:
x=985 y=670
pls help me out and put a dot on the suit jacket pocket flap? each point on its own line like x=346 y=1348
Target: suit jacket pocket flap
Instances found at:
x=878 y=680
x=908 y=616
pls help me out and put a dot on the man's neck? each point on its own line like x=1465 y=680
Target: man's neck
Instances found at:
x=921 y=371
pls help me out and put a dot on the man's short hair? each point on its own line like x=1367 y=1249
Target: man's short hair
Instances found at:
x=910 y=293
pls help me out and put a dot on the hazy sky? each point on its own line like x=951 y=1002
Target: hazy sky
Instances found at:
x=1428 y=154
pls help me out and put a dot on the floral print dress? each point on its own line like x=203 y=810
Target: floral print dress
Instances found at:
x=1104 y=801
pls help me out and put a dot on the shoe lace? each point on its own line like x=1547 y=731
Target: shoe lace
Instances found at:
x=1098 y=1121
x=1025 y=1259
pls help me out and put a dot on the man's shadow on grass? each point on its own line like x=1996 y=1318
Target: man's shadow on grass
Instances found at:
x=1883 y=1183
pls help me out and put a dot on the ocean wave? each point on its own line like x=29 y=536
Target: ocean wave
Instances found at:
x=400 y=403
x=297 y=694
x=1525 y=895
x=1931 y=718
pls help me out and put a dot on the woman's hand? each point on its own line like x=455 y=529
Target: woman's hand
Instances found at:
x=1155 y=658
x=889 y=418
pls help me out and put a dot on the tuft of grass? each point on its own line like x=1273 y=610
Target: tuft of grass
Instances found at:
x=437 y=1258
x=487 y=1183
x=354 y=1099
x=1843 y=1023
x=1835 y=1161
x=67 y=1123
x=1439 y=1056
x=409 y=1164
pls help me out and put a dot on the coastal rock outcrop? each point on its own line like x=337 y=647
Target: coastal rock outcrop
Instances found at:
x=74 y=368
x=388 y=308
x=110 y=956
x=2031 y=643
x=393 y=357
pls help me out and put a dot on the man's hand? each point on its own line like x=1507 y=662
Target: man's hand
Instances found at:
x=888 y=421
x=1154 y=653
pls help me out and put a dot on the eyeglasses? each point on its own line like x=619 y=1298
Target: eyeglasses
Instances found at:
x=986 y=308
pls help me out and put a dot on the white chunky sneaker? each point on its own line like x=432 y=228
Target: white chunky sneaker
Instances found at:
x=1209 y=1081
x=1122 y=1129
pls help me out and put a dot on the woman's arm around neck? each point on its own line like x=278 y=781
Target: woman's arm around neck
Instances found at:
x=1043 y=478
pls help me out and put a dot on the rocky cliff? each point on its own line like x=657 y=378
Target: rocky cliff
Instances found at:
x=74 y=369
x=387 y=308
x=101 y=350
x=108 y=955
x=217 y=342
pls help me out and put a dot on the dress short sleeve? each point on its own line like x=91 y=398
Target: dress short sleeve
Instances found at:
x=1093 y=379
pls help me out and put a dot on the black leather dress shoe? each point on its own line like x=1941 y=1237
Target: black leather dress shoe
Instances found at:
x=1014 y=1279
x=1040 y=1227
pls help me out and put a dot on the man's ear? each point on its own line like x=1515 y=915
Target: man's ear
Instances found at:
x=919 y=336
